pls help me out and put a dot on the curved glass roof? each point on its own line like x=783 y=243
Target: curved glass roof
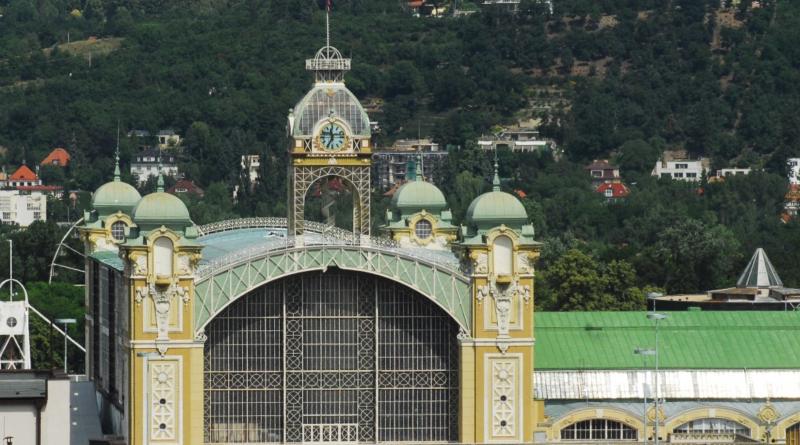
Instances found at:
x=326 y=100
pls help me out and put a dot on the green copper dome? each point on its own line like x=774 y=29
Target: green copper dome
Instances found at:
x=418 y=195
x=494 y=208
x=161 y=208
x=115 y=196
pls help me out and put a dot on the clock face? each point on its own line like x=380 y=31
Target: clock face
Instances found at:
x=332 y=137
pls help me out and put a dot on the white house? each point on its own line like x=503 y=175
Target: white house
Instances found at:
x=725 y=172
x=677 y=165
x=794 y=170
x=22 y=209
x=251 y=165
x=148 y=162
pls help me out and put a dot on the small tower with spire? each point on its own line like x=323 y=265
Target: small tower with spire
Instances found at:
x=417 y=216
x=497 y=251
x=110 y=219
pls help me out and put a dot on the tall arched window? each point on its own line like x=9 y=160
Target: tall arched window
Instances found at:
x=503 y=253
x=712 y=425
x=598 y=429
x=162 y=257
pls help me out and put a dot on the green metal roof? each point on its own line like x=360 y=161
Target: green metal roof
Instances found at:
x=494 y=208
x=687 y=340
x=109 y=258
x=418 y=195
x=161 y=208
x=115 y=196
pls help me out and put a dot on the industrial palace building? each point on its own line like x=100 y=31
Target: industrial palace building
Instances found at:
x=272 y=330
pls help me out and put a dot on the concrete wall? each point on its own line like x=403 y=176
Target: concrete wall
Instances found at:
x=18 y=419
x=56 y=413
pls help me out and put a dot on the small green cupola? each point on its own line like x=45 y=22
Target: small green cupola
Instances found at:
x=417 y=215
x=115 y=196
x=495 y=209
x=162 y=209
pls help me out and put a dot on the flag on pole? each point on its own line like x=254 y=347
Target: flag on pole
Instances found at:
x=328 y=5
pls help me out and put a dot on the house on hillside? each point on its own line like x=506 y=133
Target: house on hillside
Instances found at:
x=148 y=162
x=725 y=172
x=613 y=191
x=794 y=170
x=602 y=171
x=22 y=209
x=23 y=177
x=251 y=165
x=168 y=139
x=58 y=157
x=187 y=187
x=791 y=203
x=677 y=165
x=391 y=166
x=521 y=137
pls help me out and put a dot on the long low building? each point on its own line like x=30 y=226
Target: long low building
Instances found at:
x=723 y=377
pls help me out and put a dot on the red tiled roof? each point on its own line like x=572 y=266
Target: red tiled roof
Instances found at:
x=58 y=156
x=601 y=165
x=618 y=189
x=40 y=188
x=186 y=186
x=24 y=173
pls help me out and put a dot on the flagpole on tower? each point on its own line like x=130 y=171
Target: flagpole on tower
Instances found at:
x=328 y=23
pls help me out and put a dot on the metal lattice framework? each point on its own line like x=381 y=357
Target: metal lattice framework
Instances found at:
x=331 y=357
x=357 y=177
x=220 y=284
x=271 y=222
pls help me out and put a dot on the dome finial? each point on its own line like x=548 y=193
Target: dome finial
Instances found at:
x=160 y=183
x=419 y=168
x=496 y=179
x=116 y=158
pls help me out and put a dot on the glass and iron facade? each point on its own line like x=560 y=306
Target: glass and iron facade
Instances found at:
x=331 y=357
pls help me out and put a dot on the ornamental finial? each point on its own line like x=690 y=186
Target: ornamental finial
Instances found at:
x=116 y=158
x=496 y=179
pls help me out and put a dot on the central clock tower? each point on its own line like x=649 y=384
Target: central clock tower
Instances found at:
x=329 y=134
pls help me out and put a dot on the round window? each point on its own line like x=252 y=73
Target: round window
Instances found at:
x=11 y=322
x=423 y=229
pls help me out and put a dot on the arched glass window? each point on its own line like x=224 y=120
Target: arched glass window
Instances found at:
x=162 y=256
x=423 y=229
x=598 y=429
x=503 y=253
x=118 y=230
x=712 y=425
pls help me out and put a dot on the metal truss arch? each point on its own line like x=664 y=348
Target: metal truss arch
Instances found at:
x=445 y=287
x=303 y=177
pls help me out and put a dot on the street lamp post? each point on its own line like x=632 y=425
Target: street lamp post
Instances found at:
x=644 y=352
x=65 y=322
x=656 y=317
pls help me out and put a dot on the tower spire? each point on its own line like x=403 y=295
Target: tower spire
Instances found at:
x=327 y=23
x=496 y=179
x=116 y=158
x=328 y=64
